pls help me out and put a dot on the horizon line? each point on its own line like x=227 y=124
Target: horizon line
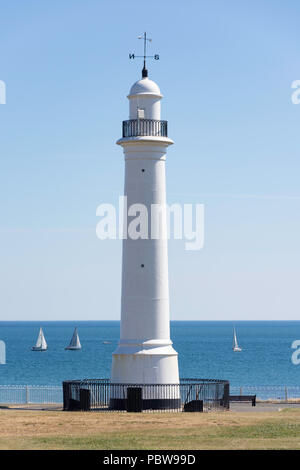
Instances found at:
x=89 y=321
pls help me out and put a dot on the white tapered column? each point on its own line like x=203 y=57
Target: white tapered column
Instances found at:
x=145 y=354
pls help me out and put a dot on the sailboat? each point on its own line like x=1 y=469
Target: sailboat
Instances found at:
x=235 y=345
x=41 y=344
x=74 y=343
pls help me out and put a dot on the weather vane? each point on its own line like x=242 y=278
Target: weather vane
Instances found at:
x=145 y=56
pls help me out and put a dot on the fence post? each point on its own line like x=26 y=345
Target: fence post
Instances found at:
x=241 y=390
x=286 y=393
x=27 y=395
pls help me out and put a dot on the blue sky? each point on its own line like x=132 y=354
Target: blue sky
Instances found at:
x=225 y=70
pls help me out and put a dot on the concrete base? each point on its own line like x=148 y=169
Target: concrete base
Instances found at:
x=149 y=362
x=151 y=366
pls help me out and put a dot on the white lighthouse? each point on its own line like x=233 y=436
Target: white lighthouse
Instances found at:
x=145 y=354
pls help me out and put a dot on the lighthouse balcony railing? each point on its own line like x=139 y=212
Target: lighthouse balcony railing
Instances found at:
x=145 y=127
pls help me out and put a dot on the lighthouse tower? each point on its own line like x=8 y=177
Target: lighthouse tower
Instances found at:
x=145 y=354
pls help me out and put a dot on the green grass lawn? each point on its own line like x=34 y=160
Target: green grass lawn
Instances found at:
x=110 y=431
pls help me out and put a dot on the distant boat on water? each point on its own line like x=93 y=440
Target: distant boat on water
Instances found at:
x=235 y=345
x=75 y=342
x=41 y=344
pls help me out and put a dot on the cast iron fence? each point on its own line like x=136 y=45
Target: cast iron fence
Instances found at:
x=188 y=395
x=145 y=127
x=47 y=394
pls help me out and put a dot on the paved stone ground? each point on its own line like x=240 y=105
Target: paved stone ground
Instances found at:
x=32 y=407
x=247 y=407
x=234 y=407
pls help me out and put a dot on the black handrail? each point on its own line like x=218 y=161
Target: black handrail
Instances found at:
x=145 y=127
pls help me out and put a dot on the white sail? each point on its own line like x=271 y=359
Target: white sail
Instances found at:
x=75 y=342
x=235 y=343
x=41 y=344
x=235 y=346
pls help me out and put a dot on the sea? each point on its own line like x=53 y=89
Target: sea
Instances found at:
x=204 y=351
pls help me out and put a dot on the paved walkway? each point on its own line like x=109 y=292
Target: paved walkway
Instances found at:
x=247 y=407
x=234 y=407
x=41 y=407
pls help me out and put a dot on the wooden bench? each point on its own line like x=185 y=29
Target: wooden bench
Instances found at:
x=240 y=398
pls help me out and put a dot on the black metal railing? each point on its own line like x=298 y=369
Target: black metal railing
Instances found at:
x=145 y=127
x=188 y=395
